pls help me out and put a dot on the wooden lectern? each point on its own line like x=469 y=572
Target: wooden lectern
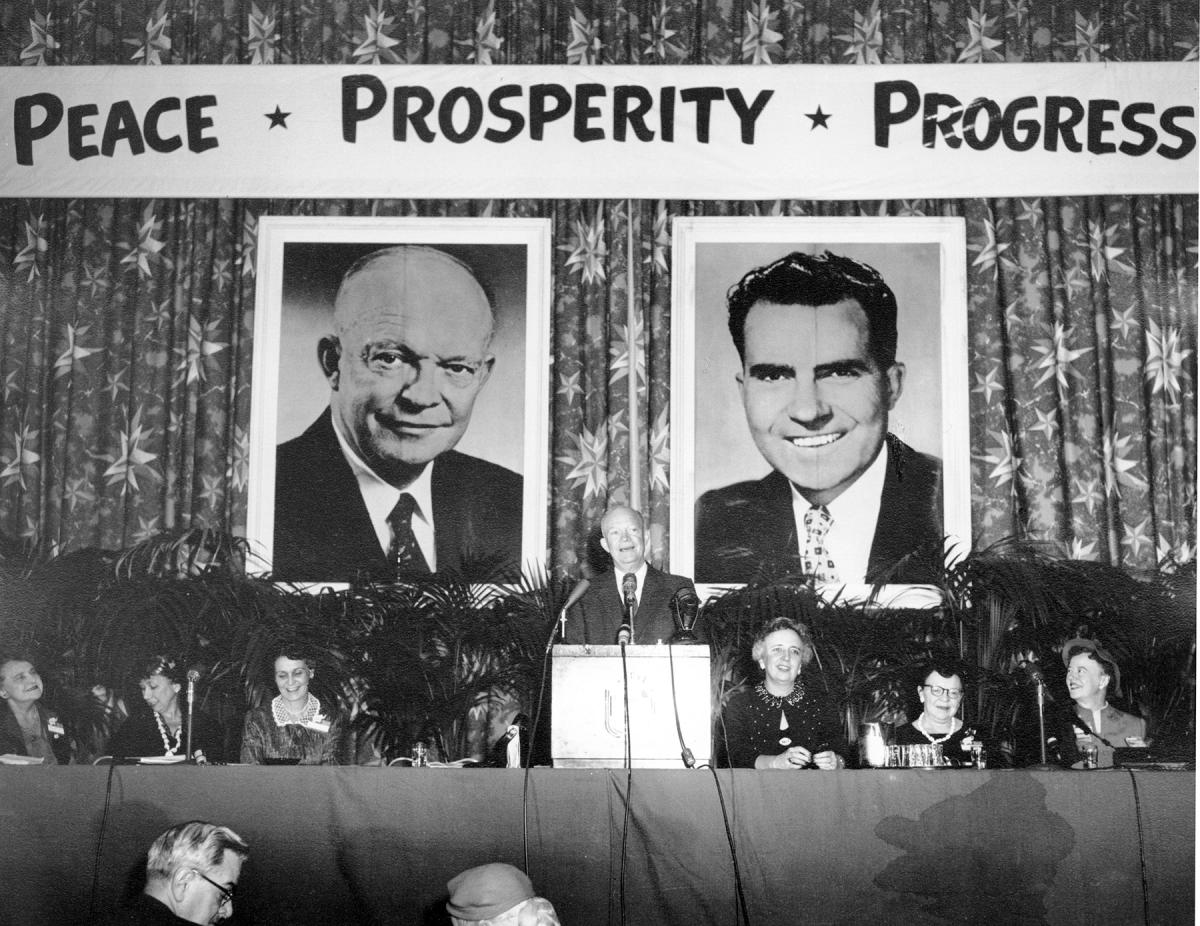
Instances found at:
x=587 y=728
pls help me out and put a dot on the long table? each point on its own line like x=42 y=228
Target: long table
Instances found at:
x=377 y=845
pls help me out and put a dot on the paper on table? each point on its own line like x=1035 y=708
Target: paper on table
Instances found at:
x=11 y=758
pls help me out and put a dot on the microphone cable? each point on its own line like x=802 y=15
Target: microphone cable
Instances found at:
x=1137 y=808
x=537 y=716
x=628 y=787
x=688 y=757
x=112 y=766
x=737 y=870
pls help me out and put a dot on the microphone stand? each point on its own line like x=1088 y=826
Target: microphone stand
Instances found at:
x=191 y=700
x=1039 y=680
x=1041 y=706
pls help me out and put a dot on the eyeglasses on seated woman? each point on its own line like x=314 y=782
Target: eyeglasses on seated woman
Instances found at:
x=941 y=692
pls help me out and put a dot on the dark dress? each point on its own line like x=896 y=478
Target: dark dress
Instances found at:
x=139 y=736
x=952 y=747
x=751 y=724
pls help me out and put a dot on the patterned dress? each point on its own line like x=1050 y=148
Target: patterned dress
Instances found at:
x=758 y=723
x=317 y=738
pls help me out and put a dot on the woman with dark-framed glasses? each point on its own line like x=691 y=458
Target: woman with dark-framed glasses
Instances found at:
x=941 y=691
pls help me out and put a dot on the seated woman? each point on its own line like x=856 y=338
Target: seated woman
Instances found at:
x=28 y=727
x=781 y=723
x=1092 y=676
x=161 y=729
x=294 y=728
x=940 y=690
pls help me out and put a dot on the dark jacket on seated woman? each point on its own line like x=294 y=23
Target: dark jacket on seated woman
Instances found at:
x=752 y=724
x=140 y=736
x=54 y=738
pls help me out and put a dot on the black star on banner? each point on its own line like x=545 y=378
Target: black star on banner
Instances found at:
x=278 y=118
x=818 y=119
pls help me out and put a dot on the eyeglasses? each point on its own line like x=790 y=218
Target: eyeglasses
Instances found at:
x=226 y=891
x=953 y=694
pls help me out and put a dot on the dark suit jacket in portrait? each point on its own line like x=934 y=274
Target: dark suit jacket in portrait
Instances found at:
x=323 y=531
x=598 y=615
x=741 y=526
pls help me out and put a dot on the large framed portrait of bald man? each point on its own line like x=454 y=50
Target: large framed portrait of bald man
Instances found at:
x=400 y=402
x=819 y=401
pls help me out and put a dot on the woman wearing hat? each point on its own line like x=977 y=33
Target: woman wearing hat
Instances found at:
x=1091 y=675
x=496 y=894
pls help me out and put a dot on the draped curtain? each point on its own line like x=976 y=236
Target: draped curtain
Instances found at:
x=125 y=338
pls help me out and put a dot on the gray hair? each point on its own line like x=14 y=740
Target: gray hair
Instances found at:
x=758 y=649
x=194 y=844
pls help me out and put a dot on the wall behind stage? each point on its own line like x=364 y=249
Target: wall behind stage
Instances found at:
x=125 y=348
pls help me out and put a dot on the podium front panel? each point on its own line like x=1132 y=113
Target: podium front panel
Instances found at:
x=587 y=727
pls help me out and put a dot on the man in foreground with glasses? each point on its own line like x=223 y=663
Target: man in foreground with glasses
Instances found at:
x=191 y=872
x=940 y=690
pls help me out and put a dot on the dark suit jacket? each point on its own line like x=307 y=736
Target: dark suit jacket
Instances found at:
x=597 y=616
x=13 y=741
x=323 y=531
x=741 y=526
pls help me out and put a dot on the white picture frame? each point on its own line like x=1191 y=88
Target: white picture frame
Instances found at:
x=293 y=308
x=712 y=254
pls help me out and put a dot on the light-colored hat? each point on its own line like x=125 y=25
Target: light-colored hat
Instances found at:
x=1099 y=653
x=486 y=891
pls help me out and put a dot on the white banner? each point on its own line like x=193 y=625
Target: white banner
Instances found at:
x=794 y=131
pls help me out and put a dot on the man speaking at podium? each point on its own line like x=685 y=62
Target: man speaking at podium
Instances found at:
x=633 y=593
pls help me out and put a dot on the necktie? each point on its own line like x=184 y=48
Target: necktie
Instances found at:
x=405 y=554
x=816 y=559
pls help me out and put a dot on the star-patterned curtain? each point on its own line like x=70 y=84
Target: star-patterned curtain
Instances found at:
x=125 y=338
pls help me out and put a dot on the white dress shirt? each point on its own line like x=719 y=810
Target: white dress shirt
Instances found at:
x=855 y=513
x=381 y=496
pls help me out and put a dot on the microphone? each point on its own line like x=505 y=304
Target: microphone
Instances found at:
x=193 y=676
x=685 y=606
x=629 y=590
x=576 y=593
x=1034 y=673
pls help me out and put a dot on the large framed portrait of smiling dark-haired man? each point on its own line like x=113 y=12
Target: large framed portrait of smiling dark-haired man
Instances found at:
x=400 y=399
x=819 y=400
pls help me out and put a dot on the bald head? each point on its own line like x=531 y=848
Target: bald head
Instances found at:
x=409 y=355
x=623 y=536
x=409 y=273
